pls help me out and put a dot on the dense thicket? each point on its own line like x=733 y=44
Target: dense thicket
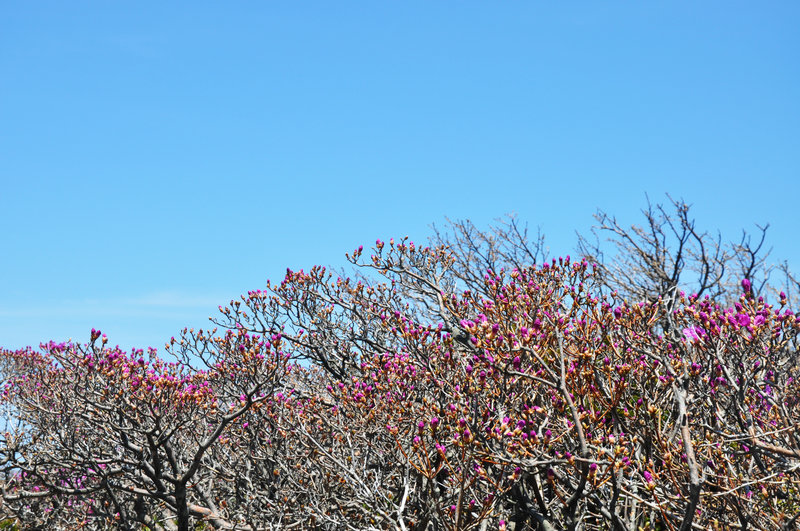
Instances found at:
x=464 y=384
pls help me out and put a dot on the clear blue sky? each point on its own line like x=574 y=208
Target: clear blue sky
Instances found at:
x=160 y=158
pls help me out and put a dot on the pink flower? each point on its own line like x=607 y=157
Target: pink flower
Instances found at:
x=694 y=333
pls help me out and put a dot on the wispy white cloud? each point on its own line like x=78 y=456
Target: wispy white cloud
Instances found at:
x=176 y=299
x=168 y=303
x=133 y=320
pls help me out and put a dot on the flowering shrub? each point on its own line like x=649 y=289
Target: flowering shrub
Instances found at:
x=414 y=397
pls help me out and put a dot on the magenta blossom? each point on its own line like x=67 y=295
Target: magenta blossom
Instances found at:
x=694 y=334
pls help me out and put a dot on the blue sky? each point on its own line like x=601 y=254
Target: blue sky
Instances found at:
x=158 y=159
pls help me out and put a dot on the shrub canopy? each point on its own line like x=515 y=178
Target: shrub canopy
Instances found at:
x=466 y=384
